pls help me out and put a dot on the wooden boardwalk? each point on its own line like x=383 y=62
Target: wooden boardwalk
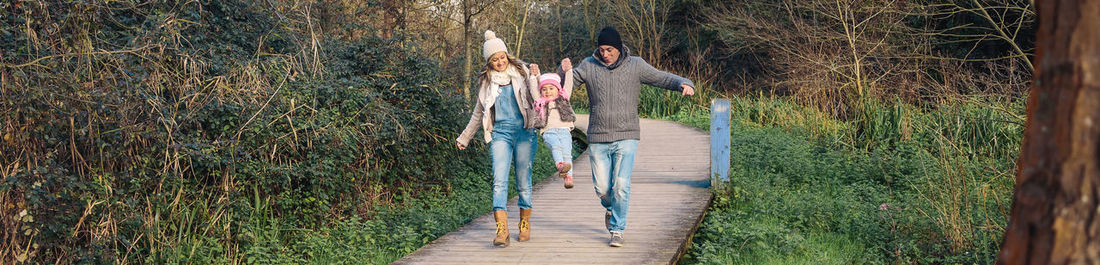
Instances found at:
x=669 y=194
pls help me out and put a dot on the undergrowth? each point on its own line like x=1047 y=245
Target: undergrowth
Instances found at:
x=897 y=184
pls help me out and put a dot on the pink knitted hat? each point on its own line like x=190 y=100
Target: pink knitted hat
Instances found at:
x=551 y=79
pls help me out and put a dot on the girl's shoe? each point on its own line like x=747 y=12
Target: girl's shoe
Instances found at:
x=563 y=171
x=563 y=168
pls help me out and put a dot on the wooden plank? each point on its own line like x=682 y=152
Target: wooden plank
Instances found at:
x=515 y=257
x=669 y=193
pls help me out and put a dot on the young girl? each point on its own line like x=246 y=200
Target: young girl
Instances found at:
x=555 y=119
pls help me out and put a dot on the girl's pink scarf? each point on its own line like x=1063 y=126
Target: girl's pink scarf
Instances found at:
x=542 y=102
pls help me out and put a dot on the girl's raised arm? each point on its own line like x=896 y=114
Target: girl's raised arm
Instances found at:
x=533 y=82
x=567 y=67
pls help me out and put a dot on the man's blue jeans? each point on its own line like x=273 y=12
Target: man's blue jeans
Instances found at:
x=612 y=164
x=511 y=144
x=560 y=142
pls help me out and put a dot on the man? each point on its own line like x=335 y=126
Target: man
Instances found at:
x=614 y=80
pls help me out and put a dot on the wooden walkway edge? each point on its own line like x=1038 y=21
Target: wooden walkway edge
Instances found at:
x=669 y=195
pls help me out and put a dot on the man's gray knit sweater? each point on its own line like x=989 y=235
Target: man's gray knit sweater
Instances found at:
x=613 y=93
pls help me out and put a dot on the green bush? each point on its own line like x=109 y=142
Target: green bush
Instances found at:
x=213 y=133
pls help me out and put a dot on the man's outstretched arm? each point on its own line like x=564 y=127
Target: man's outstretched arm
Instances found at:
x=651 y=76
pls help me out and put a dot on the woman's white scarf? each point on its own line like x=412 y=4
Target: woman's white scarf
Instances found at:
x=503 y=78
x=498 y=79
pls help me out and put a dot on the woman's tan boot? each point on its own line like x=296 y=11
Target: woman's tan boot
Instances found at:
x=502 y=228
x=524 y=225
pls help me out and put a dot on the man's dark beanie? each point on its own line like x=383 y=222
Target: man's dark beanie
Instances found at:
x=610 y=37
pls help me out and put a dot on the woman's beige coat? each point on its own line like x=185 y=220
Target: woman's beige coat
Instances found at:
x=482 y=116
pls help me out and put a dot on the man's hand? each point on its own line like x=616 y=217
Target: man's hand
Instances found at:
x=687 y=90
x=566 y=65
x=460 y=146
x=535 y=70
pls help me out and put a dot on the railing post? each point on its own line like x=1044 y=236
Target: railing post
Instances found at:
x=719 y=142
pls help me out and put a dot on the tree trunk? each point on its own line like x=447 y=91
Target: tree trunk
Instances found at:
x=467 y=20
x=522 y=28
x=390 y=18
x=561 y=48
x=642 y=23
x=1058 y=179
x=470 y=9
x=592 y=11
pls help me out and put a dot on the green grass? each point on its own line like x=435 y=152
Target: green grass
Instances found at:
x=895 y=183
x=788 y=199
x=391 y=233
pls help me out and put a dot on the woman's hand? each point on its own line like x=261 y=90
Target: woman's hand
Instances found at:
x=566 y=65
x=535 y=70
x=460 y=146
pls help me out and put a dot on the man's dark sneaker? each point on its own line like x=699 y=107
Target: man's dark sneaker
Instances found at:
x=616 y=239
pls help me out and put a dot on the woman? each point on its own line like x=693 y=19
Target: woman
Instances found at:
x=504 y=113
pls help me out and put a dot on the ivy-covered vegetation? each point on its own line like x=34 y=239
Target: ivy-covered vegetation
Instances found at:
x=222 y=132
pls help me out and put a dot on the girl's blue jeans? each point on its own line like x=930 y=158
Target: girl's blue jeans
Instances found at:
x=512 y=145
x=561 y=144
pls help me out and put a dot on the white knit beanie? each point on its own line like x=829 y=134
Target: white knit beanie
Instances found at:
x=492 y=45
